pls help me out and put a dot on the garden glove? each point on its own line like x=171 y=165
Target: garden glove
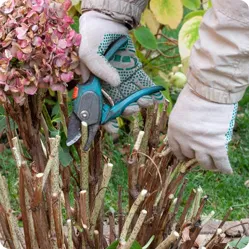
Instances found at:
x=202 y=129
x=246 y=1
x=124 y=74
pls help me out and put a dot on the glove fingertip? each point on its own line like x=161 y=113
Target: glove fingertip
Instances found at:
x=223 y=165
x=228 y=171
x=101 y=68
x=113 y=79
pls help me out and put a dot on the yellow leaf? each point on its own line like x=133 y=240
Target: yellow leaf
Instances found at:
x=75 y=2
x=120 y=122
x=78 y=7
x=149 y=20
x=167 y=12
x=188 y=35
x=72 y=12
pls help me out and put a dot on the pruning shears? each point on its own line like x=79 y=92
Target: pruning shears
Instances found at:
x=89 y=105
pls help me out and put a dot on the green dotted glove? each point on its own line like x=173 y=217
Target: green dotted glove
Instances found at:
x=123 y=75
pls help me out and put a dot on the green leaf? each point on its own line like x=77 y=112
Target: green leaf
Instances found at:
x=161 y=80
x=149 y=242
x=136 y=245
x=114 y=245
x=48 y=119
x=2 y=123
x=75 y=25
x=64 y=156
x=193 y=14
x=238 y=243
x=145 y=38
x=192 y=4
x=56 y=109
x=245 y=100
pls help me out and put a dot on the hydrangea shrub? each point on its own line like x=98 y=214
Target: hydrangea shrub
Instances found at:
x=38 y=47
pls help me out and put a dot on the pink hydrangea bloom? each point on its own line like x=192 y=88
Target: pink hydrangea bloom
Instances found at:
x=40 y=47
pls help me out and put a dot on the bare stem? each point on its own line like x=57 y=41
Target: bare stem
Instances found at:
x=135 y=230
x=70 y=236
x=84 y=207
x=52 y=163
x=169 y=240
x=131 y=214
x=100 y=198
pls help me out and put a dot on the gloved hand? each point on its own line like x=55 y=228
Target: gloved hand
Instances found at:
x=124 y=74
x=202 y=129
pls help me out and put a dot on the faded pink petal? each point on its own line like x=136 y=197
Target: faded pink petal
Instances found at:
x=31 y=90
x=8 y=54
x=38 y=2
x=23 y=43
x=21 y=32
x=54 y=38
x=74 y=61
x=20 y=55
x=35 y=28
x=38 y=5
x=8 y=6
x=2 y=96
x=67 y=21
x=67 y=77
x=25 y=82
x=56 y=10
x=1 y=33
x=60 y=60
x=58 y=87
x=71 y=35
x=37 y=41
x=19 y=99
x=16 y=86
x=9 y=38
x=48 y=79
x=3 y=78
x=67 y=4
x=4 y=65
x=32 y=16
x=62 y=44
x=77 y=40
x=27 y=50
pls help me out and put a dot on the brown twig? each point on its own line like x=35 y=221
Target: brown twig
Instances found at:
x=24 y=210
x=120 y=211
x=185 y=210
x=112 y=233
x=57 y=219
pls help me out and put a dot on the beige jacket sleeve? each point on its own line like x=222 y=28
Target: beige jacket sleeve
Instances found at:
x=126 y=11
x=219 y=62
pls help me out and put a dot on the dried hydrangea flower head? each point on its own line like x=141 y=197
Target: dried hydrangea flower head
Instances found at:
x=38 y=48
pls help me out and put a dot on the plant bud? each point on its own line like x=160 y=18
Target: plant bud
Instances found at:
x=178 y=80
x=247 y=183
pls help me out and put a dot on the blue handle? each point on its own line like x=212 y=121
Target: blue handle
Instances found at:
x=120 y=42
x=109 y=113
x=93 y=84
